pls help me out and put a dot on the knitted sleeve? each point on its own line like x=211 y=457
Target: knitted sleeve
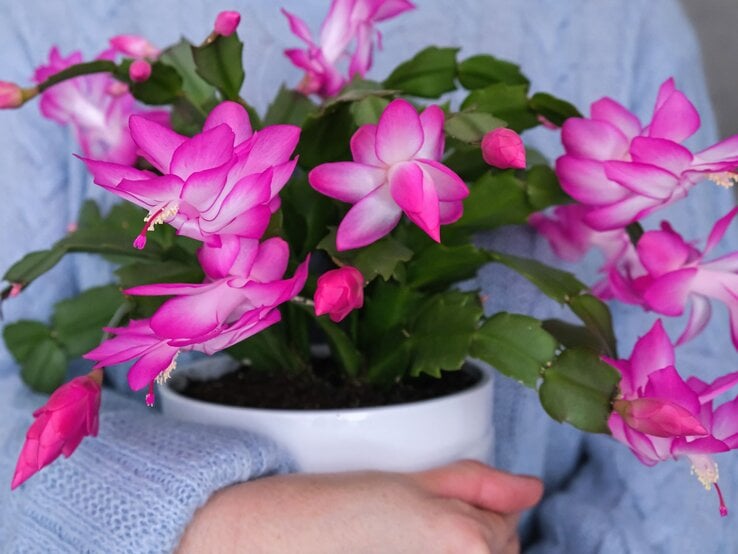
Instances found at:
x=134 y=488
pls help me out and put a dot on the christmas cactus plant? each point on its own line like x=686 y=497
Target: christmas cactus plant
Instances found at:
x=346 y=214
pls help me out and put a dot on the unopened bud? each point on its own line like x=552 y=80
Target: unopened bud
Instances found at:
x=226 y=23
x=139 y=71
x=503 y=148
x=11 y=95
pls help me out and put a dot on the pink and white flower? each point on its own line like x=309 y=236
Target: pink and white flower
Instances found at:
x=238 y=300
x=70 y=414
x=93 y=107
x=625 y=170
x=339 y=292
x=346 y=20
x=659 y=416
x=673 y=273
x=396 y=169
x=225 y=180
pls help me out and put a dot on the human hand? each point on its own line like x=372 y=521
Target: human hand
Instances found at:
x=464 y=507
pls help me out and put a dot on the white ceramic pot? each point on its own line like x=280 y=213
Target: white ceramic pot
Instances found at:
x=403 y=437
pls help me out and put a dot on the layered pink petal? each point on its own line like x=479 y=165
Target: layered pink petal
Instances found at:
x=235 y=116
x=586 y=181
x=449 y=186
x=417 y=197
x=675 y=118
x=662 y=153
x=150 y=365
x=659 y=417
x=610 y=111
x=399 y=132
x=209 y=149
x=157 y=142
x=622 y=213
x=699 y=317
x=346 y=181
x=662 y=251
x=668 y=294
x=363 y=146
x=434 y=137
x=651 y=352
x=597 y=140
x=368 y=220
x=644 y=179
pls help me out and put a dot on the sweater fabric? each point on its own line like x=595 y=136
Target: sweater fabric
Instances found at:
x=136 y=486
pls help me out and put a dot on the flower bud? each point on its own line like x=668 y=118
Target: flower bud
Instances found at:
x=11 y=95
x=226 y=23
x=70 y=414
x=139 y=71
x=339 y=292
x=503 y=148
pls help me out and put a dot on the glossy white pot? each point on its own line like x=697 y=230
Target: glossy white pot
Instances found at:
x=403 y=437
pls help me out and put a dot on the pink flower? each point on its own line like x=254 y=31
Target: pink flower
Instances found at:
x=346 y=20
x=70 y=414
x=395 y=170
x=139 y=71
x=339 y=292
x=672 y=273
x=503 y=148
x=659 y=416
x=225 y=180
x=226 y=23
x=239 y=299
x=625 y=170
x=11 y=95
x=98 y=118
x=134 y=46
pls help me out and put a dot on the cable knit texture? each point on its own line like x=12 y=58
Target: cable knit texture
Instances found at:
x=135 y=487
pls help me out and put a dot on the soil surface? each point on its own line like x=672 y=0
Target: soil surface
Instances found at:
x=247 y=387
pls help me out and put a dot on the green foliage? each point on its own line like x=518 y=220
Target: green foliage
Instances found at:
x=442 y=332
x=496 y=199
x=554 y=283
x=515 y=345
x=597 y=318
x=367 y=110
x=379 y=258
x=41 y=357
x=554 y=109
x=429 y=74
x=325 y=136
x=289 y=107
x=543 y=188
x=483 y=70
x=87 y=68
x=507 y=102
x=578 y=389
x=306 y=216
x=220 y=64
x=163 y=87
x=471 y=126
x=439 y=266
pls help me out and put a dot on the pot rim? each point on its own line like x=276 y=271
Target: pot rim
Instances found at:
x=171 y=393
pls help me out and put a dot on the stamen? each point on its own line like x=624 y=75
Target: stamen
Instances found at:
x=707 y=471
x=152 y=220
x=164 y=376
x=724 y=179
x=723 y=507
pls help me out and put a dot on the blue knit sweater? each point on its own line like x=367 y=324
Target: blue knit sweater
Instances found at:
x=135 y=487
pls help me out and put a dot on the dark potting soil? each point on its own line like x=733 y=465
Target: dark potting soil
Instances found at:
x=246 y=387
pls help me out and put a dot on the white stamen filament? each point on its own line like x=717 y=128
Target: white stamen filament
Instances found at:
x=164 y=376
x=724 y=179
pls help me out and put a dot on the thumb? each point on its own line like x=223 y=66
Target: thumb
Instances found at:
x=480 y=485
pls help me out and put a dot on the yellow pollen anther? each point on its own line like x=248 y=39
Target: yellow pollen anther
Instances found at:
x=160 y=216
x=164 y=376
x=707 y=475
x=725 y=179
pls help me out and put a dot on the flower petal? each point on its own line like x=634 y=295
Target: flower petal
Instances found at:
x=645 y=179
x=449 y=186
x=346 y=181
x=272 y=145
x=614 y=113
x=597 y=140
x=668 y=294
x=699 y=315
x=652 y=351
x=368 y=220
x=399 y=132
x=157 y=142
x=271 y=260
x=662 y=251
x=719 y=229
x=620 y=214
x=662 y=153
x=207 y=150
x=675 y=119
x=414 y=193
x=151 y=364
x=363 y=146
x=235 y=116
x=434 y=137
x=586 y=181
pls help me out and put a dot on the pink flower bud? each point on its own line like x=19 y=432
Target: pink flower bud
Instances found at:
x=339 y=292
x=11 y=95
x=70 y=414
x=134 y=46
x=503 y=148
x=659 y=417
x=226 y=23
x=139 y=71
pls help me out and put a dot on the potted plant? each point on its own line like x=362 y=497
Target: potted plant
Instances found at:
x=320 y=246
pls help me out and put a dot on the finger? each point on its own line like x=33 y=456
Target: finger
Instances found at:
x=482 y=486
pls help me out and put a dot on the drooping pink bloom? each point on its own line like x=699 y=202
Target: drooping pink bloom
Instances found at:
x=626 y=170
x=11 y=95
x=503 y=148
x=225 y=180
x=571 y=238
x=396 y=169
x=346 y=20
x=98 y=117
x=339 y=292
x=139 y=71
x=134 y=46
x=673 y=273
x=659 y=416
x=239 y=299
x=226 y=23
x=70 y=414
